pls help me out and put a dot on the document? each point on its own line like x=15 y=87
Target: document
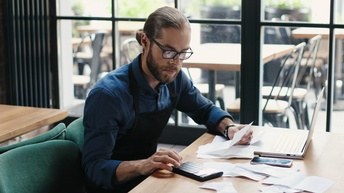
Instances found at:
x=299 y=181
x=222 y=148
x=279 y=179
x=238 y=135
x=220 y=187
x=234 y=170
x=253 y=172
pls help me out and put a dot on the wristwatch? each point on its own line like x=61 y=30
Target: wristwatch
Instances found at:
x=225 y=132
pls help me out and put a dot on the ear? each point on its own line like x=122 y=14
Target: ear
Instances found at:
x=144 y=40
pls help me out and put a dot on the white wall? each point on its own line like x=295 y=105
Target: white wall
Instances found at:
x=65 y=56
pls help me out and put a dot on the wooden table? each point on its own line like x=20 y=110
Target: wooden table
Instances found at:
x=304 y=32
x=18 y=120
x=325 y=158
x=123 y=27
x=227 y=56
x=76 y=42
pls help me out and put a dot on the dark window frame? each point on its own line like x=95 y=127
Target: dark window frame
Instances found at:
x=251 y=25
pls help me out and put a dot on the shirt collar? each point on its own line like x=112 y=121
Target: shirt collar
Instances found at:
x=138 y=74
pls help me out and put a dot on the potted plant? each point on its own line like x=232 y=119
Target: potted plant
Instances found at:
x=219 y=33
x=297 y=10
x=221 y=9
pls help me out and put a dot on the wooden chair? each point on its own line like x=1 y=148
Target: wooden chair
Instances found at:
x=277 y=105
x=204 y=89
x=304 y=81
x=95 y=58
x=311 y=66
x=130 y=48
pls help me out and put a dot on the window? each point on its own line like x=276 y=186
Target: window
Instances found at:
x=212 y=23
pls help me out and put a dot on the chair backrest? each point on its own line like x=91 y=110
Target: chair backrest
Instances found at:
x=130 y=48
x=52 y=166
x=276 y=34
x=58 y=132
x=309 y=57
x=75 y=132
x=285 y=80
x=49 y=162
x=95 y=64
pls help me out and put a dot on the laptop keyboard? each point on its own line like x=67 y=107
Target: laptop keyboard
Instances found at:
x=289 y=142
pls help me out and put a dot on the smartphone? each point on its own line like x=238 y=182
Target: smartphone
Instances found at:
x=272 y=161
x=197 y=171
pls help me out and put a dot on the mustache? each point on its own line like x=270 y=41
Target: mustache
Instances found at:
x=170 y=69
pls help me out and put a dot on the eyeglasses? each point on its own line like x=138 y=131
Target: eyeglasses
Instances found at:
x=169 y=54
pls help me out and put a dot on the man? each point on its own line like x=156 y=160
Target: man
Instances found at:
x=126 y=111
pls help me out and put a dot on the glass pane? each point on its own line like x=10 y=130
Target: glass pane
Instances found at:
x=88 y=8
x=311 y=76
x=129 y=47
x=212 y=9
x=79 y=50
x=297 y=10
x=338 y=96
x=220 y=33
x=339 y=11
x=214 y=73
x=280 y=35
x=338 y=92
x=139 y=8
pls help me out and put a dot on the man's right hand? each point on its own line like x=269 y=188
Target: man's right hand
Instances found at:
x=163 y=159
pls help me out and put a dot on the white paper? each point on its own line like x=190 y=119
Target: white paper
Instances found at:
x=268 y=170
x=289 y=181
x=221 y=148
x=277 y=189
x=300 y=182
x=314 y=184
x=284 y=180
x=238 y=135
x=234 y=170
x=220 y=187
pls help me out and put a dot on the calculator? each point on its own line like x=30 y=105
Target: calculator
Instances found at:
x=197 y=171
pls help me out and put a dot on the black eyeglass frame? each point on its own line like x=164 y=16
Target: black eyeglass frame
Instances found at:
x=175 y=53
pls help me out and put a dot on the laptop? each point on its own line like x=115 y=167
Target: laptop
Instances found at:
x=289 y=143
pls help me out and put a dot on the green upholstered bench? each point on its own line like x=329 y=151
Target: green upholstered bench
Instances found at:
x=58 y=132
x=75 y=132
x=50 y=162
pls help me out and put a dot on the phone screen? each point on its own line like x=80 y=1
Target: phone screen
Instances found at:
x=272 y=161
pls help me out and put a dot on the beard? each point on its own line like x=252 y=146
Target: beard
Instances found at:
x=157 y=70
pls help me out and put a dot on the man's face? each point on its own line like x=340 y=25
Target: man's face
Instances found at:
x=165 y=70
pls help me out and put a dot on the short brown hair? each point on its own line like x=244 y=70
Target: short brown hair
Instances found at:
x=164 y=17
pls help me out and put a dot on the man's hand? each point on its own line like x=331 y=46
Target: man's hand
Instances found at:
x=162 y=159
x=246 y=139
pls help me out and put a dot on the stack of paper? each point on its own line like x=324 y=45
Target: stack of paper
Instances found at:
x=281 y=179
x=222 y=148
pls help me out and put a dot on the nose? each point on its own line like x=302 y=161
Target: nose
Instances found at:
x=177 y=57
x=175 y=60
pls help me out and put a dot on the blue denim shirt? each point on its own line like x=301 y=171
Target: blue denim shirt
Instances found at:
x=109 y=113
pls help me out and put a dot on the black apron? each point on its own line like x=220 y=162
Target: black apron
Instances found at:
x=142 y=139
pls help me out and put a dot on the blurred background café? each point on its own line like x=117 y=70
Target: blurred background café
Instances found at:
x=246 y=55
